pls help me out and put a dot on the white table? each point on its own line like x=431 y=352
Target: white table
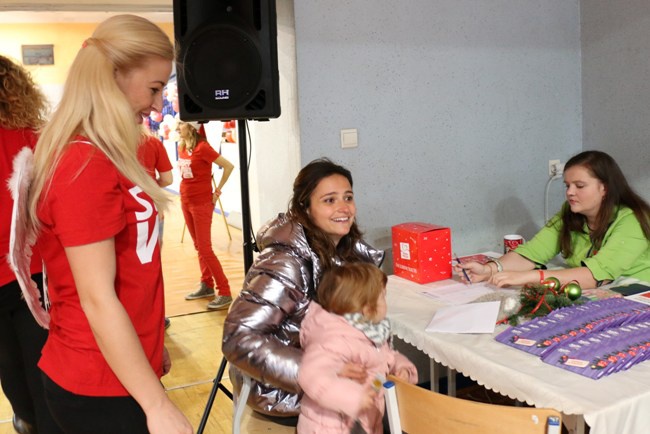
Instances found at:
x=616 y=404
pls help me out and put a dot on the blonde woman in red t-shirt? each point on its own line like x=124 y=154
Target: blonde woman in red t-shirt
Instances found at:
x=95 y=210
x=195 y=160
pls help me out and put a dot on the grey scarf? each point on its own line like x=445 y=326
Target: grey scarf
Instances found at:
x=378 y=333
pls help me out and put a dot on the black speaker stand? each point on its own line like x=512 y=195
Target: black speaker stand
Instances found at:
x=245 y=198
x=213 y=394
x=248 y=261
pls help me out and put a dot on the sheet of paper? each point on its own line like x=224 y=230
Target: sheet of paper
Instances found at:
x=466 y=318
x=458 y=293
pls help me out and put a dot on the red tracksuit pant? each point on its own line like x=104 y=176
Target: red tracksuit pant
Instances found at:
x=198 y=218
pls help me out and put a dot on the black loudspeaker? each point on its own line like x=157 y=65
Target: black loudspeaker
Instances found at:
x=227 y=60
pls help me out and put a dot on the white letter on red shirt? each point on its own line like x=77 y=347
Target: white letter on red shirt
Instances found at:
x=145 y=244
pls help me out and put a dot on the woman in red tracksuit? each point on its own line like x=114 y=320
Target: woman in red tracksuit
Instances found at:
x=195 y=159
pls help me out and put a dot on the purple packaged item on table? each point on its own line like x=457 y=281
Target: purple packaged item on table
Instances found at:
x=595 y=339
x=611 y=358
x=597 y=355
x=603 y=353
x=630 y=344
x=624 y=353
x=566 y=324
x=571 y=356
x=637 y=346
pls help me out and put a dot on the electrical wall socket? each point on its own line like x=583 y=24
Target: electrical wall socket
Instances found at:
x=554 y=167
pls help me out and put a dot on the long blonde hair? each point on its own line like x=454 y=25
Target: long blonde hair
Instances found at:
x=189 y=143
x=93 y=105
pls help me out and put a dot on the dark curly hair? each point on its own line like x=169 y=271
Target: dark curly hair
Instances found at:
x=303 y=186
x=22 y=104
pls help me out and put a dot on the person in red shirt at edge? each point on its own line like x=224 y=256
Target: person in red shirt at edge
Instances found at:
x=23 y=109
x=95 y=210
x=195 y=159
x=153 y=157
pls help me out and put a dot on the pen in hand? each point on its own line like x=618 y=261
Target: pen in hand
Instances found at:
x=464 y=272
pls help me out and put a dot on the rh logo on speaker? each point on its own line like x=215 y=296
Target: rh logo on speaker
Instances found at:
x=222 y=94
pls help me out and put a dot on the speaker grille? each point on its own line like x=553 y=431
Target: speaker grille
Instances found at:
x=223 y=67
x=227 y=64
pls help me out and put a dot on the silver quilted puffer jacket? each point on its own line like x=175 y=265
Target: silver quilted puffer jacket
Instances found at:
x=261 y=331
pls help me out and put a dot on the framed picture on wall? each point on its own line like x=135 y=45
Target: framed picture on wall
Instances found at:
x=38 y=54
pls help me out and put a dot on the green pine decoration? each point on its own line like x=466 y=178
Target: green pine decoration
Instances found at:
x=540 y=299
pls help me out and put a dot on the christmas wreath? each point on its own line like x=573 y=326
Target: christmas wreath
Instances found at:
x=541 y=298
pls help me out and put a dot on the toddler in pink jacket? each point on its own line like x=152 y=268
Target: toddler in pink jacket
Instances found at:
x=349 y=326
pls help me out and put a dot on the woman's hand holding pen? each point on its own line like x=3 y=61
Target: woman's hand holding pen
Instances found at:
x=475 y=271
x=478 y=272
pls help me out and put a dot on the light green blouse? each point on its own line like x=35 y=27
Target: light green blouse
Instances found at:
x=625 y=250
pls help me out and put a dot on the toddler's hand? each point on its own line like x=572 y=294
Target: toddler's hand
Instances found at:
x=403 y=374
x=354 y=372
x=368 y=398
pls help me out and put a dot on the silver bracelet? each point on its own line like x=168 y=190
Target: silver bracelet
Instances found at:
x=497 y=263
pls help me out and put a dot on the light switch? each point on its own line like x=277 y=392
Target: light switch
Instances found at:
x=349 y=138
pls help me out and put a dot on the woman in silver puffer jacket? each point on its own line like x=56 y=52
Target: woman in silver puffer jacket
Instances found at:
x=261 y=331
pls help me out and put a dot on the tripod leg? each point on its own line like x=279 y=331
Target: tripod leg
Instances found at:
x=213 y=393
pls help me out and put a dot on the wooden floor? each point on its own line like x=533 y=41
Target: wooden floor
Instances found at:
x=194 y=338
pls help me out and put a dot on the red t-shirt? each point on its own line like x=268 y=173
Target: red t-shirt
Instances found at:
x=153 y=156
x=196 y=172
x=11 y=142
x=90 y=201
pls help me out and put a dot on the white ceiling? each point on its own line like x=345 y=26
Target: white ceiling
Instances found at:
x=82 y=11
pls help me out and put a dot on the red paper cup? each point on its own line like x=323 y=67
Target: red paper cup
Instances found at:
x=510 y=242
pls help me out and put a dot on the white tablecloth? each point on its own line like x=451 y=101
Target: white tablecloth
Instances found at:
x=616 y=404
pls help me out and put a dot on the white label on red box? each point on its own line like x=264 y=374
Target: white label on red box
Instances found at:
x=404 y=251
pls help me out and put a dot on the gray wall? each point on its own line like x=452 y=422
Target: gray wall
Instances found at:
x=616 y=84
x=459 y=106
x=275 y=145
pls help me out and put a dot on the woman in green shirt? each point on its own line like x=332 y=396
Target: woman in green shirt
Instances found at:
x=602 y=231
